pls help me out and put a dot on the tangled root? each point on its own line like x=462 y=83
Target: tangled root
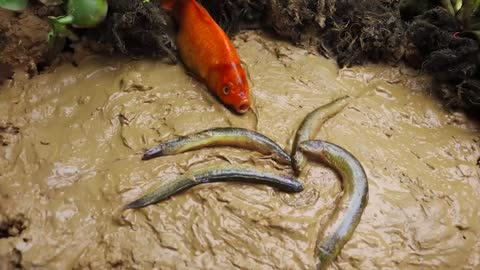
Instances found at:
x=452 y=61
x=236 y=15
x=361 y=31
x=136 y=29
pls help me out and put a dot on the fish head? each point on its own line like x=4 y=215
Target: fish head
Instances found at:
x=311 y=147
x=232 y=88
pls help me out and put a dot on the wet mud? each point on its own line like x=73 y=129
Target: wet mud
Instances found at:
x=72 y=142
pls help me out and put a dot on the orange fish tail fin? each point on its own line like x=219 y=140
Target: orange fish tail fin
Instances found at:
x=168 y=4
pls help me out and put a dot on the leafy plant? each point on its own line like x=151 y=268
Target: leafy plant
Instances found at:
x=85 y=13
x=465 y=12
x=15 y=5
x=59 y=31
x=79 y=13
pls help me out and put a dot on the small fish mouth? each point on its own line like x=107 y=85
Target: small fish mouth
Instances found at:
x=152 y=152
x=243 y=108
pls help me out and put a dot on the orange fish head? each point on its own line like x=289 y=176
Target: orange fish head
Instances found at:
x=232 y=89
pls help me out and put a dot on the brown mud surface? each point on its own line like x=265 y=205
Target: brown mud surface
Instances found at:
x=72 y=141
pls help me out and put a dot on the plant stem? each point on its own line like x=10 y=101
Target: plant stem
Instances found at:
x=68 y=19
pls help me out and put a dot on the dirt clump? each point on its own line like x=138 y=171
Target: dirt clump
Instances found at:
x=23 y=40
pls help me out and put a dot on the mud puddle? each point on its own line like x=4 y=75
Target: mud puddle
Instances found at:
x=72 y=141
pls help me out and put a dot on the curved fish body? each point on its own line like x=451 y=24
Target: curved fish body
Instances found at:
x=350 y=208
x=311 y=125
x=206 y=50
x=217 y=174
x=235 y=137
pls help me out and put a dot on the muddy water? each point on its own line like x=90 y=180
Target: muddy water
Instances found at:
x=72 y=142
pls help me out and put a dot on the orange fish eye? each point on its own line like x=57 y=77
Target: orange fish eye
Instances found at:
x=226 y=90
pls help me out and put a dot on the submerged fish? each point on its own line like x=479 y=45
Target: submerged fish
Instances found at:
x=215 y=174
x=350 y=208
x=237 y=137
x=207 y=51
x=310 y=125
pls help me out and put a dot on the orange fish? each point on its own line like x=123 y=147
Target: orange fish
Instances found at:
x=206 y=50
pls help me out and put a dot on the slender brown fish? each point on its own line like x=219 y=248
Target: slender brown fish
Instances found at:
x=162 y=191
x=350 y=208
x=235 y=137
x=311 y=125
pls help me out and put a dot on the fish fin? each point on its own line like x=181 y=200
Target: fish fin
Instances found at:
x=168 y=4
x=195 y=76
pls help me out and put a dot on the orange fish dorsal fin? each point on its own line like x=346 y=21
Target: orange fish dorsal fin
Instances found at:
x=168 y=4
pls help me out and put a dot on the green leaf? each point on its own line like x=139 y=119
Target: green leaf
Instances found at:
x=446 y=4
x=457 y=5
x=465 y=14
x=15 y=5
x=87 y=13
x=59 y=30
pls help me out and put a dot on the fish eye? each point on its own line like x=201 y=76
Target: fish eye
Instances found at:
x=226 y=89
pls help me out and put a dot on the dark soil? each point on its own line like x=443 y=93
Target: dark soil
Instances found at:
x=365 y=30
x=23 y=40
x=452 y=61
x=136 y=29
x=234 y=16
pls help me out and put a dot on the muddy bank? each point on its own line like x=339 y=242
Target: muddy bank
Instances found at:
x=72 y=142
x=351 y=32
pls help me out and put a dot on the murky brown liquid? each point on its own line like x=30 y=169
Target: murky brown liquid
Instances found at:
x=82 y=131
